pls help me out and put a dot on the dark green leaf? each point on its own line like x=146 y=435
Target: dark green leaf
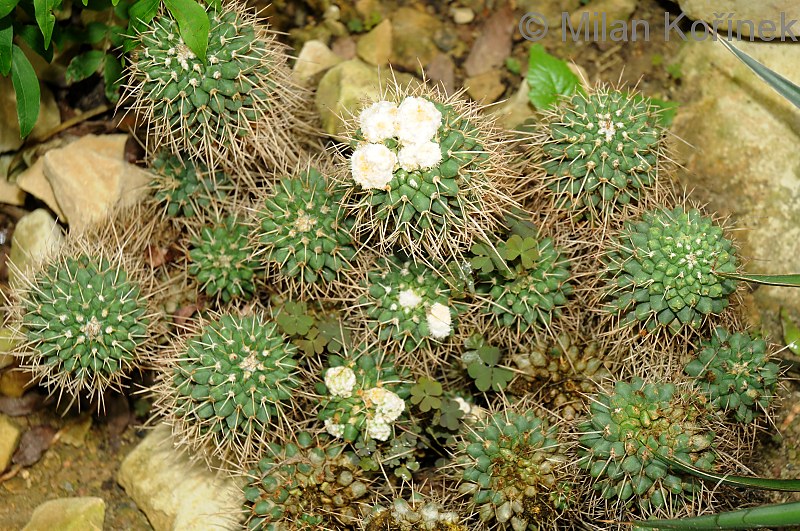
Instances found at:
x=95 y=32
x=45 y=17
x=779 y=515
x=193 y=24
x=112 y=75
x=791 y=333
x=336 y=336
x=780 y=84
x=7 y=6
x=490 y=355
x=549 y=78
x=314 y=343
x=84 y=65
x=33 y=38
x=293 y=319
x=786 y=485
x=140 y=14
x=450 y=414
x=6 y=40
x=26 y=88
x=788 y=281
x=486 y=259
x=526 y=249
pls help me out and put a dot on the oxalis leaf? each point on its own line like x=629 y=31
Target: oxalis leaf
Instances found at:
x=26 y=87
x=525 y=249
x=549 y=78
x=193 y=24
x=788 y=281
x=426 y=394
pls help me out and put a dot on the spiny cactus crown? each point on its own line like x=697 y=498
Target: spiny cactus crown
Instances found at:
x=305 y=486
x=420 y=515
x=603 y=149
x=629 y=426
x=363 y=395
x=233 y=377
x=511 y=465
x=734 y=371
x=663 y=269
x=186 y=188
x=301 y=229
x=221 y=262
x=85 y=321
x=408 y=303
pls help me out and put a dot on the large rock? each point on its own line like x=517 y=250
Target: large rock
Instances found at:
x=413 y=33
x=612 y=9
x=764 y=14
x=36 y=236
x=740 y=152
x=315 y=58
x=345 y=86
x=9 y=438
x=90 y=176
x=175 y=493
x=33 y=181
x=68 y=514
x=49 y=116
x=376 y=46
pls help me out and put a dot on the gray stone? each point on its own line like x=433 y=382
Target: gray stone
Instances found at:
x=36 y=236
x=9 y=438
x=462 y=15
x=612 y=9
x=376 y=46
x=314 y=58
x=68 y=514
x=765 y=15
x=49 y=116
x=740 y=152
x=413 y=38
x=176 y=493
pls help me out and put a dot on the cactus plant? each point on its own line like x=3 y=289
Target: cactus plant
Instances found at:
x=185 y=188
x=629 y=426
x=662 y=270
x=222 y=108
x=84 y=323
x=309 y=485
x=601 y=151
x=427 y=174
x=301 y=229
x=221 y=263
x=228 y=387
x=734 y=371
x=512 y=463
x=421 y=514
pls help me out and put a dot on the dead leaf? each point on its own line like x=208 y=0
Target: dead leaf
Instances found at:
x=183 y=314
x=17 y=407
x=156 y=256
x=494 y=43
x=33 y=444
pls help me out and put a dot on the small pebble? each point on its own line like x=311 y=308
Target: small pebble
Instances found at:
x=462 y=15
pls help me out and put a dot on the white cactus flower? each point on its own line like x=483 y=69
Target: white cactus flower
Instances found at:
x=378 y=121
x=373 y=165
x=387 y=405
x=420 y=156
x=439 y=320
x=409 y=299
x=337 y=430
x=418 y=120
x=378 y=429
x=340 y=381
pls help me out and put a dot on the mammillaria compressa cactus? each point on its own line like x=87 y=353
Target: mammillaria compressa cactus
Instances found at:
x=421 y=514
x=734 y=371
x=427 y=174
x=186 y=188
x=662 y=270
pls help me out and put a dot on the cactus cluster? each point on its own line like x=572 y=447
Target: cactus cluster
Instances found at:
x=663 y=270
x=185 y=188
x=419 y=515
x=734 y=371
x=629 y=426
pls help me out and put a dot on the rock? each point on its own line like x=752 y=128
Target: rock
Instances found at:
x=442 y=70
x=413 y=38
x=7 y=344
x=33 y=181
x=493 y=45
x=90 y=176
x=376 y=46
x=346 y=85
x=612 y=9
x=175 y=493
x=344 y=47
x=486 y=87
x=15 y=382
x=740 y=152
x=74 y=433
x=552 y=10
x=760 y=13
x=11 y=193
x=369 y=9
x=462 y=15
x=49 y=115
x=9 y=438
x=515 y=109
x=314 y=58
x=36 y=236
x=69 y=514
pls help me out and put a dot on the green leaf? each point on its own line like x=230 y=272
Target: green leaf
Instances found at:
x=7 y=6
x=335 y=335
x=780 y=84
x=84 y=65
x=112 y=75
x=425 y=394
x=95 y=32
x=778 y=515
x=293 y=319
x=26 y=87
x=450 y=414
x=45 y=17
x=486 y=259
x=314 y=343
x=6 y=41
x=526 y=249
x=490 y=355
x=193 y=23
x=791 y=333
x=549 y=78
x=139 y=15
x=33 y=38
x=788 y=281
x=785 y=485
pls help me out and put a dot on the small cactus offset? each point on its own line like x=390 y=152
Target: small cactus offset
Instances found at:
x=602 y=151
x=734 y=371
x=309 y=485
x=301 y=230
x=627 y=427
x=221 y=263
x=185 y=188
x=512 y=465
x=421 y=514
x=663 y=270
x=427 y=174
x=228 y=388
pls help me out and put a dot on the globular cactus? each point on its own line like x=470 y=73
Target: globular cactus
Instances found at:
x=421 y=514
x=601 y=151
x=662 y=270
x=408 y=305
x=300 y=229
x=309 y=485
x=734 y=371
x=82 y=322
x=363 y=396
x=221 y=263
x=427 y=174
x=629 y=426
x=185 y=188
x=512 y=466
x=228 y=388
x=219 y=109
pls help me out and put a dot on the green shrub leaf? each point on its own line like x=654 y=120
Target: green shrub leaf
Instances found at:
x=782 y=86
x=112 y=76
x=7 y=6
x=32 y=36
x=549 y=78
x=787 y=281
x=139 y=15
x=786 y=485
x=84 y=65
x=791 y=333
x=193 y=23
x=26 y=87
x=778 y=515
x=45 y=17
x=6 y=41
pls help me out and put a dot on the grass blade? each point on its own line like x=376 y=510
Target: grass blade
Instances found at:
x=788 y=281
x=786 y=485
x=778 y=515
x=782 y=86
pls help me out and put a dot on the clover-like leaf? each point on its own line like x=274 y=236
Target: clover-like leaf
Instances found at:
x=526 y=249
x=314 y=343
x=450 y=414
x=425 y=394
x=336 y=336
x=293 y=319
x=484 y=371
